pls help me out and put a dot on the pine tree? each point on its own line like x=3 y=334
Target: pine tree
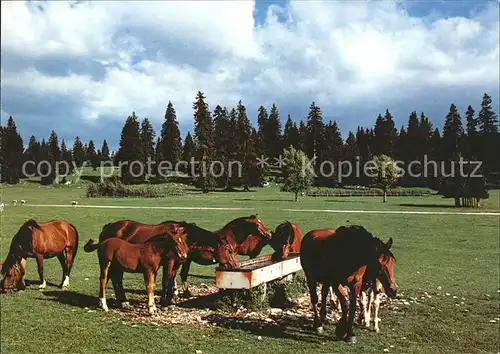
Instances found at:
x=31 y=154
x=92 y=156
x=274 y=132
x=129 y=150
x=67 y=156
x=452 y=134
x=171 y=136
x=147 y=138
x=44 y=170
x=222 y=137
x=290 y=134
x=385 y=135
x=78 y=152
x=188 y=151
x=350 y=153
x=489 y=136
x=470 y=148
x=315 y=133
x=302 y=144
x=105 y=151
x=252 y=173
x=243 y=133
x=11 y=153
x=53 y=154
x=205 y=143
x=332 y=152
x=232 y=153
x=262 y=122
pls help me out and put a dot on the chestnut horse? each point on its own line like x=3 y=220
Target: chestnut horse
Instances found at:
x=286 y=239
x=117 y=256
x=55 y=238
x=346 y=256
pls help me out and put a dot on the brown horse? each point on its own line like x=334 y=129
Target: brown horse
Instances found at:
x=117 y=256
x=346 y=256
x=286 y=239
x=209 y=247
x=55 y=238
x=247 y=235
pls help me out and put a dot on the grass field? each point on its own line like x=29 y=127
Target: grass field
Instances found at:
x=437 y=254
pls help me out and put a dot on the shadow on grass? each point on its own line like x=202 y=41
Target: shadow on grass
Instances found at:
x=69 y=297
x=283 y=327
x=428 y=206
x=346 y=201
x=262 y=200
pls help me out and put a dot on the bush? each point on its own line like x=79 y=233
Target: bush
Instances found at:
x=118 y=189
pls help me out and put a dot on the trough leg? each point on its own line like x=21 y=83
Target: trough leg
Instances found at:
x=39 y=263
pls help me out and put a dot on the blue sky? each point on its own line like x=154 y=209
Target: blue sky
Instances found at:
x=82 y=69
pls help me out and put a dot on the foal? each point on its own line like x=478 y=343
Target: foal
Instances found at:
x=117 y=256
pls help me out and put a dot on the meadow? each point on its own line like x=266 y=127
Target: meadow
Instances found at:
x=450 y=260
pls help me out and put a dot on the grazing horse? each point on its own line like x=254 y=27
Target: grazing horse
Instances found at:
x=117 y=256
x=247 y=235
x=370 y=300
x=344 y=257
x=209 y=247
x=286 y=239
x=55 y=238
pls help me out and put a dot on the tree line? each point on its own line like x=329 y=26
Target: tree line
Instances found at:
x=226 y=134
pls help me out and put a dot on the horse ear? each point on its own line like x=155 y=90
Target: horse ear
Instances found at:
x=389 y=243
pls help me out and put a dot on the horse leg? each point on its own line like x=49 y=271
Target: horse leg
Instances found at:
x=62 y=260
x=39 y=263
x=376 y=306
x=70 y=258
x=311 y=284
x=184 y=275
x=22 y=262
x=324 y=293
x=149 y=279
x=103 y=282
x=340 y=330
x=353 y=294
x=117 y=281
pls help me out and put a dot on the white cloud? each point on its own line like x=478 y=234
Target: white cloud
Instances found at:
x=338 y=53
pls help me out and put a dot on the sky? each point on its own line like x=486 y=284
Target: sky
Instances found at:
x=81 y=68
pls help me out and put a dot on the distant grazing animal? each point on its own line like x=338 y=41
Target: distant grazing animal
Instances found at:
x=74 y=203
x=55 y=238
x=14 y=202
x=346 y=256
x=2 y=205
x=23 y=201
x=286 y=239
x=117 y=256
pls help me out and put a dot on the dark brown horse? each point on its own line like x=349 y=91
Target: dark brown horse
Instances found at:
x=286 y=239
x=117 y=256
x=55 y=238
x=346 y=256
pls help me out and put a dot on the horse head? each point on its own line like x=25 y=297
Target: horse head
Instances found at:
x=225 y=253
x=12 y=277
x=282 y=239
x=180 y=245
x=385 y=266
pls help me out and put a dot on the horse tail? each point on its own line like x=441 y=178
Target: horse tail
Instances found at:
x=90 y=246
x=77 y=241
x=33 y=223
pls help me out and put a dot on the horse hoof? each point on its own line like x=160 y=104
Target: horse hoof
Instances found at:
x=43 y=285
x=351 y=340
x=377 y=330
x=126 y=305
x=320 y=330
x=165 y=302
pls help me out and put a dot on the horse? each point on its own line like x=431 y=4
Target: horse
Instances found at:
x=371 y=294
x=117 y=256
x=346 y=256
x=55 y=238
x=209 y=247
x=247 y=235
x=286 y=239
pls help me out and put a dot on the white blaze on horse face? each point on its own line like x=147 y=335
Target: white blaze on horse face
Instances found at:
x=43 y=285
x=66 y=281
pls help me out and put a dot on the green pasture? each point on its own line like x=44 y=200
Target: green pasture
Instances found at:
x=437 y=254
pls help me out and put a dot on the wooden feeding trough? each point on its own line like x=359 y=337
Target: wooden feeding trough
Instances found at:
x=253 y=272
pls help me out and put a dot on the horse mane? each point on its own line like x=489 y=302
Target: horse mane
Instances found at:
x=364 y=235
x=31 y=223
x=238 y=220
